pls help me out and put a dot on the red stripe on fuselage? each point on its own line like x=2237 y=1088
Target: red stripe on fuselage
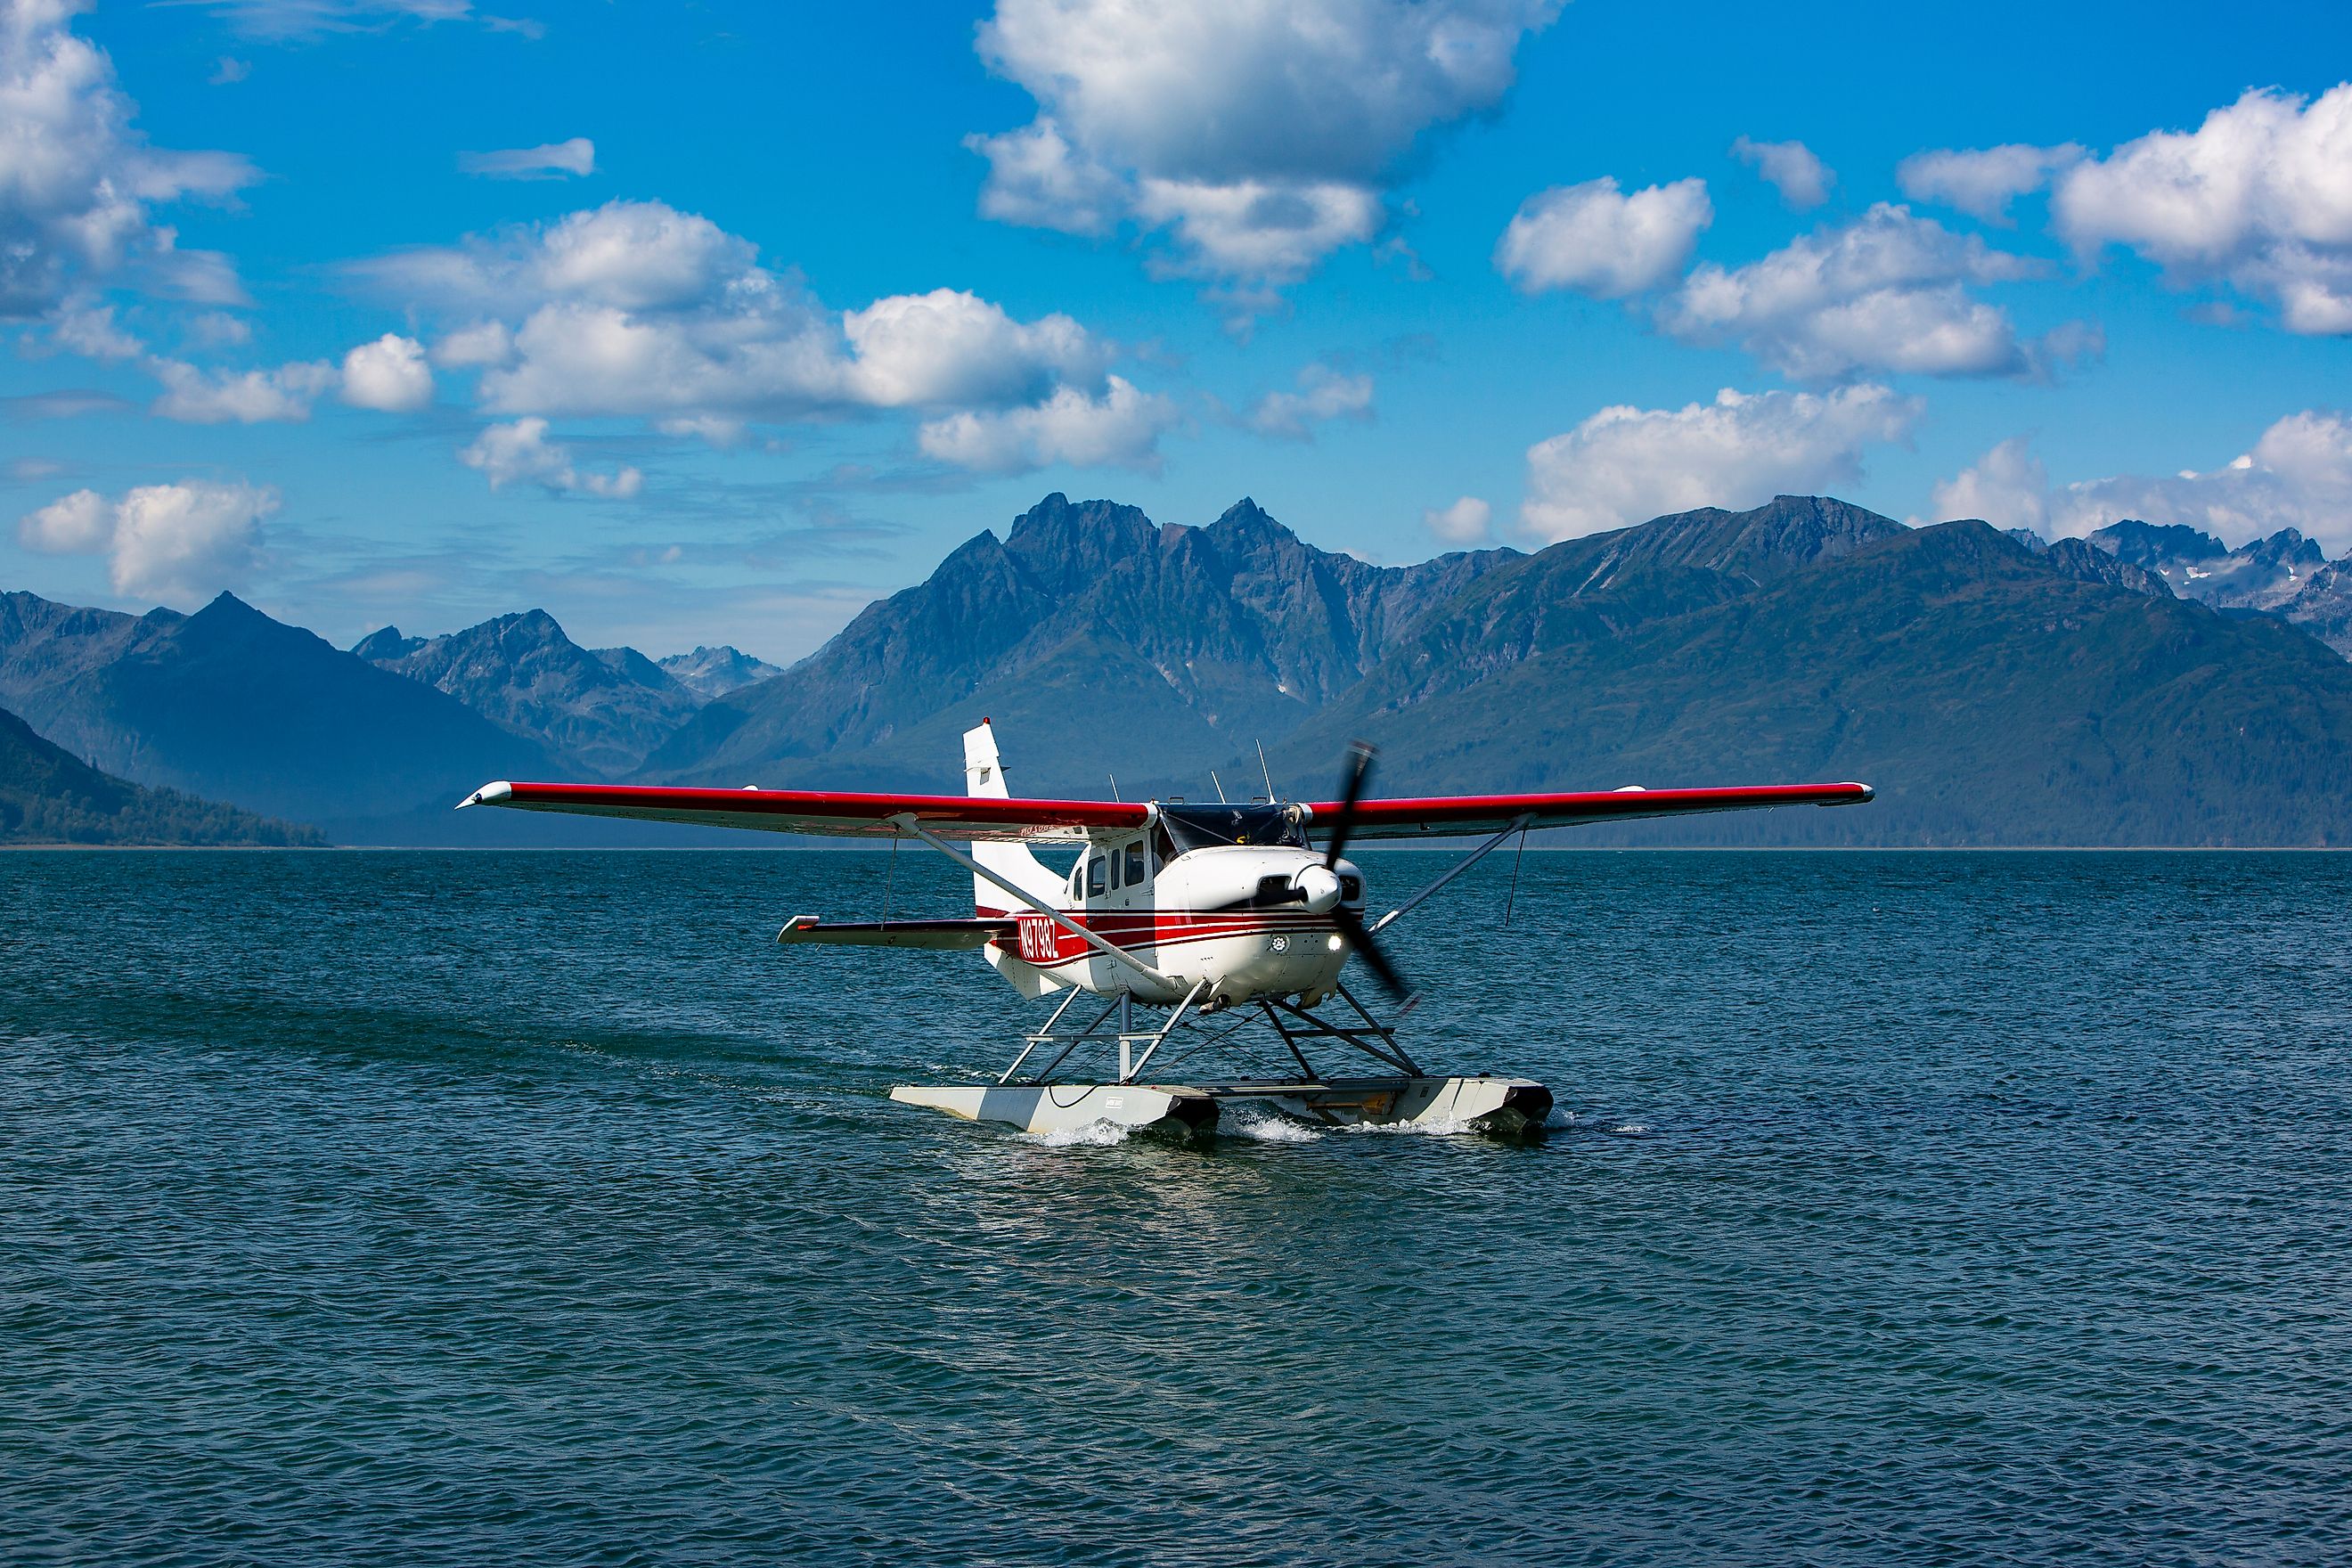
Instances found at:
x=1131 y=931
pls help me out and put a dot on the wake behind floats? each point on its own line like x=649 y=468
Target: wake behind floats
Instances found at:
x=1199 y=910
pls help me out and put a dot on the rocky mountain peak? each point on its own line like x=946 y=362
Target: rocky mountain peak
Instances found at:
x=1759 y=545
x=716 y=671
x=1067 y=545
x=2154 y=546
x=608 y=709
x=1246 y=519
x=2278 y=575
x=384 y=644
x=2087 y=562
x=2286 y=549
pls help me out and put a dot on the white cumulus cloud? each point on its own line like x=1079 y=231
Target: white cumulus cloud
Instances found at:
x=554 y=160
x=473 y=345
x=1323 y=394
x=89 y=330
x=949 y=347
x=218 y=327
x=1886 y=292
x=635 y=307
x=1627 y=464
x=1468 y=521
x=180 y=543
x=389 y=374
x=1265 y=231
x=1121 y=428
x=637 y=310
x=2008 y=487
x=81 y=523
x=1789 y=167
x=520 y=450
x=1598 y=240
x=1262 y=132
x=198 y=397
x=2297 y=475
x=2259 y=196
x=1982 y=182
x=77 y=181
x=1038 y=180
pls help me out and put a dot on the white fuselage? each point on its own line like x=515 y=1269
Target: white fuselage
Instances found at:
x=1213 y=914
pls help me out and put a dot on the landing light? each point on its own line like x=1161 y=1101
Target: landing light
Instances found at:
x=1336 y=943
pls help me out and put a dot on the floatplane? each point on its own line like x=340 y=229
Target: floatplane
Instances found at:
x=1183 y=909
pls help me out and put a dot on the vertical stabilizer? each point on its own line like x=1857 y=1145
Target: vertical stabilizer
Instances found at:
x=983 y=775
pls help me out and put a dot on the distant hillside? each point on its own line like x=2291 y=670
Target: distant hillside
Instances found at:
x=1100 y=641
x=49 y=796
x=1992 y=697
x=605 y=709
x=231 y=705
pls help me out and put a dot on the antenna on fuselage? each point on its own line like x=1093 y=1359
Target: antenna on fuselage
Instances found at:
x=1270 y=796
x=1221 y=788
x=1114 y=787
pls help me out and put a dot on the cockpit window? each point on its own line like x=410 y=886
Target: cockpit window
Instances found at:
x=1097 y=866
x=1134 y=857
x=1201 y=827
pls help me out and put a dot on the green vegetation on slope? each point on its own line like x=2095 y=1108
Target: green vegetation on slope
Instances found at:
x=49 y=796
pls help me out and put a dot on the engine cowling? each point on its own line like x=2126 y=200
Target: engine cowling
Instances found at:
x=1319 y=889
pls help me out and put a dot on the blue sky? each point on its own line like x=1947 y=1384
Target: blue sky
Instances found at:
x=840 y=287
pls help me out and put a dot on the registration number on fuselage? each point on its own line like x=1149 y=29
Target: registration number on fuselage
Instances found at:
x=1038 y=939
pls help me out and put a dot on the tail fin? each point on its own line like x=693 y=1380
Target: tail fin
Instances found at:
x=984 y=774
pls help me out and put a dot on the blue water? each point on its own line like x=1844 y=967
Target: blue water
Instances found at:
x=447 y=1209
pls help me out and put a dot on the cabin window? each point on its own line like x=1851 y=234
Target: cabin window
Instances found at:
x=1115 y=883
x=1097 y=869
x=1134 y=858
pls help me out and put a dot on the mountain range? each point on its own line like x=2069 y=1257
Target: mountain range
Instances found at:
x=1096 y=639
x=229 y=704
x=1992 y=697
x=2144 y=686
x=604 y=709
x=2285 y=575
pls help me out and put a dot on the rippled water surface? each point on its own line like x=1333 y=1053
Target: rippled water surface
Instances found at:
x=447 y=1209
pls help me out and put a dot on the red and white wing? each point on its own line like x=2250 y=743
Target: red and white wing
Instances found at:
x=1440 y=815
x=820 y=812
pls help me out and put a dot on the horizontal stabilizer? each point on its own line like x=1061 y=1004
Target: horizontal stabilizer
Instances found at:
x=944 y=936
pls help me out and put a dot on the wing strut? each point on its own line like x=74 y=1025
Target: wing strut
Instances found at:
x=906 y=820
x=1468 y=860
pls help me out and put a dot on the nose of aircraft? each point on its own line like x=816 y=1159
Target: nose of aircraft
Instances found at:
x=1319 y=889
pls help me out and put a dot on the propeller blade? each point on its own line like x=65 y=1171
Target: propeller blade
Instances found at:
x=1360 y=768
x=1361 y=941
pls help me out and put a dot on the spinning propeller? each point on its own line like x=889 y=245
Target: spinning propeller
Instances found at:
x=1352 y=924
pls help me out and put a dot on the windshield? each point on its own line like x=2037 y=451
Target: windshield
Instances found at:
x=1201 y=827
